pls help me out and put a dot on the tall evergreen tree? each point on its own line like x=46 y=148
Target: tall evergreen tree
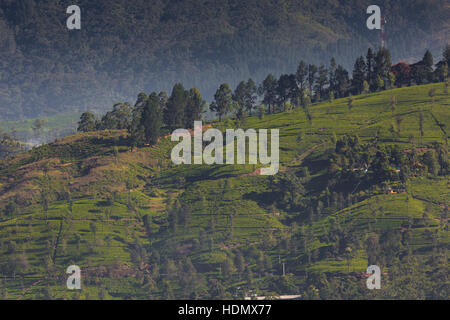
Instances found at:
x=223 y=101
x=174 y=113
x=312 y=71
x=135 y=129
x=370 y=69
x=151 y=119
x=268 y=90
x=286 y=88
x=302 y=74
x=342 y=81
x=245 y=95
x=446 y=54
x=441 y=72
x=428 y=64
x=322 y=81
x=383 y=64
x=163 y=98
x=194 y=107
x=239 y=94
x=428 y=59
x=359 y=75
x=332 y=75
x=250 y=96
x=302 y=77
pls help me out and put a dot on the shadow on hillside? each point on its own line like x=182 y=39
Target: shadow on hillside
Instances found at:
x=264 y=198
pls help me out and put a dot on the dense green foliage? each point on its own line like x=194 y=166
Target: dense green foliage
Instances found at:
x=356 y=187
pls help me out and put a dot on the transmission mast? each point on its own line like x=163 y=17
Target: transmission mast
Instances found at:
x=383 y=33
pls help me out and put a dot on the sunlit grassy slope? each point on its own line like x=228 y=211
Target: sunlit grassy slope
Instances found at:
x=100 y=191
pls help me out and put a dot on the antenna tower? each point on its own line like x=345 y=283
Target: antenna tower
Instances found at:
x=383 y=33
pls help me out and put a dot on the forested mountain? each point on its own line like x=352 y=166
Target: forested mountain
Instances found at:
x=127 y=46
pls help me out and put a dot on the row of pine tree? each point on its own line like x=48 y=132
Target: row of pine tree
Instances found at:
x=154 y=113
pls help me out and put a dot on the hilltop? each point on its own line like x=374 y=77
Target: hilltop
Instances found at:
x=357 y=186
x=130 y=46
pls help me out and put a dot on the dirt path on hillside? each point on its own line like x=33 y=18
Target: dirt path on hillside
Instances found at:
x=55 y=247
x=29 y=289
x=299 y=159
x=296 y=162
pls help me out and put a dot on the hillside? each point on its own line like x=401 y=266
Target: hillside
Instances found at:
x=356 y=187
x=127 y=46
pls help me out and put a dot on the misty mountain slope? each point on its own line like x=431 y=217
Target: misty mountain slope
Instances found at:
x=125 y=45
